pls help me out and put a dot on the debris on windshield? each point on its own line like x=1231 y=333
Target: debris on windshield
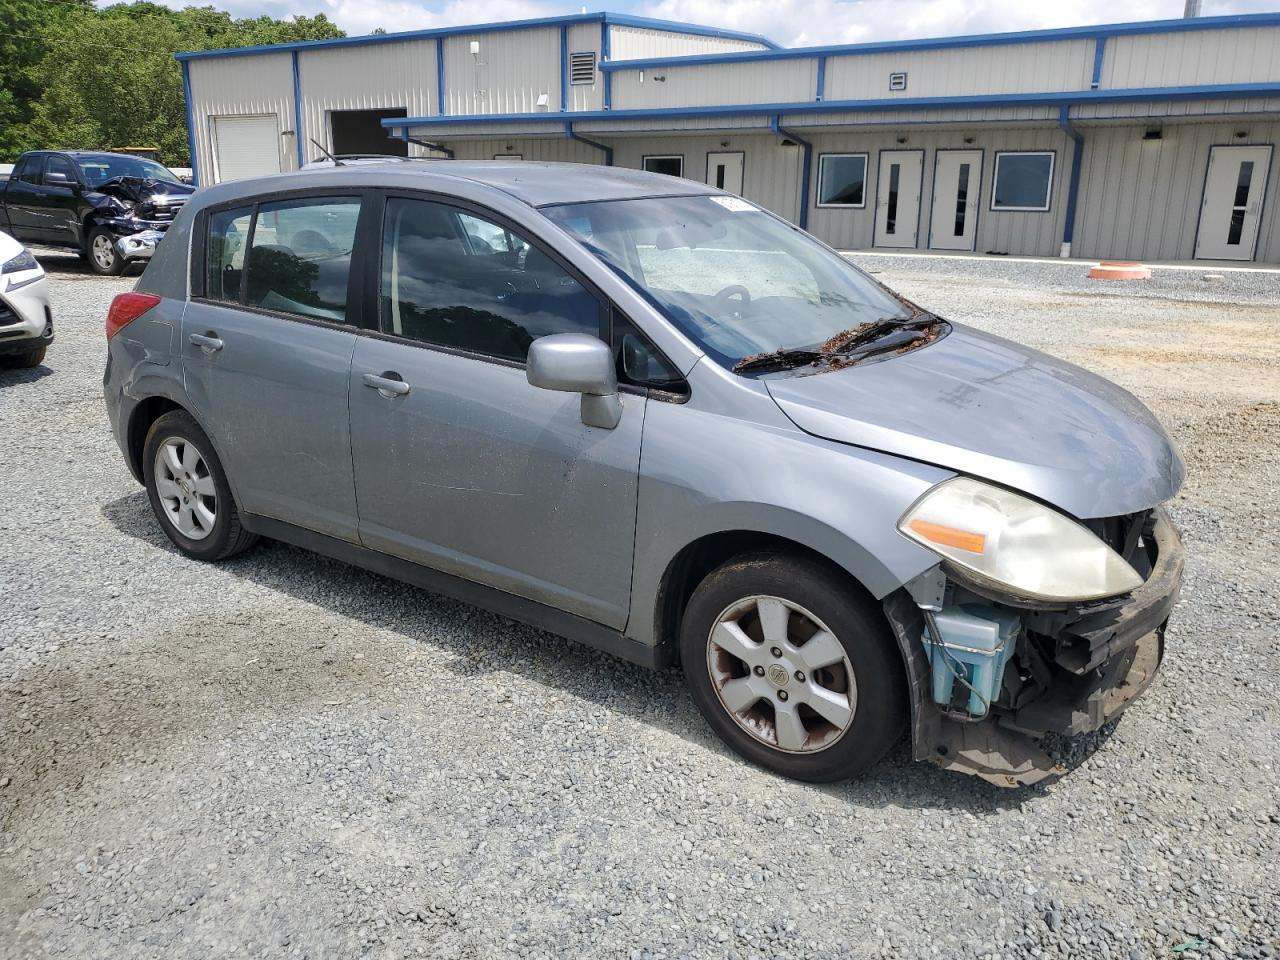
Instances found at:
x=848 y=347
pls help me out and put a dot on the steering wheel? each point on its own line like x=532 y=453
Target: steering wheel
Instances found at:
x=733 y=290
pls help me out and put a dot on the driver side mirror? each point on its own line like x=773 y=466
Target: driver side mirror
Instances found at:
x=56 y=178
x=578 y=363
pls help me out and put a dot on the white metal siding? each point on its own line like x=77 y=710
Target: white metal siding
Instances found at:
x=779 y=81
x=1141 y=198
x=555 y=150
x=905 y=118
x=388 y=75
x=1032 y=234
x=1174 y=109
x=1249 y=55
x=584 y=38
x=963 y=71
x=248 y=85
x=639 y=43
x=508 y=74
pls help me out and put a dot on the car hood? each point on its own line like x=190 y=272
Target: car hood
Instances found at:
x=139 y=189
x=985 y=406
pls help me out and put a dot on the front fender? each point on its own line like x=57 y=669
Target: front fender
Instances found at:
x=702 y=473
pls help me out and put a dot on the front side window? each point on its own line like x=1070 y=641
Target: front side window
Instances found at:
x=300 y=257
x=672 y=166
x=227 y=238
x=842 y=180
x=456 y=279
x=60 y=172
x=1023 y=181
x=736 y=280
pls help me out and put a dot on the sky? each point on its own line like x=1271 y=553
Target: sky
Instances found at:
x=788 y=22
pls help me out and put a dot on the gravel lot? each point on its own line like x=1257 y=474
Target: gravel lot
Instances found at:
x=284 y=757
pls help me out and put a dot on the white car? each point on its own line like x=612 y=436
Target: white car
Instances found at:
x=26 y=322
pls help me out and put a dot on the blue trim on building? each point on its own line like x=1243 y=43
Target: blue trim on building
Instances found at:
x=1073 y=185
x=976 y=40
x=605 y=51
x=1068 y=98
x=608 y=151
x=191 y=125
x=297 y=109
x=616 y=19
x=1099 y=51
x=440 y=75
x=820 y=91
x=806 y=158
x=564 y=68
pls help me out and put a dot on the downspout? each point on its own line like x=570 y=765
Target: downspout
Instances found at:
x=1073 y=189
x=806 y=155
x=297 y=110
x=604 y=58
x=608 y=151
x=191 y=126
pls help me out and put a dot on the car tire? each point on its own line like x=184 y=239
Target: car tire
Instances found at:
x=32 y=358
x=853 y=672
x=101 y=253
x=189 y=492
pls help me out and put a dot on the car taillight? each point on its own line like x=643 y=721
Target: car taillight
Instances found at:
x=126 y=308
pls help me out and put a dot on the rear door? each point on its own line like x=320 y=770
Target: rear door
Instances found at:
x=460 y=464
x=266 y=345
x=23 y=201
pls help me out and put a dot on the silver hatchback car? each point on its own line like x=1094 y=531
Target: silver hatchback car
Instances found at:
x=654 y=418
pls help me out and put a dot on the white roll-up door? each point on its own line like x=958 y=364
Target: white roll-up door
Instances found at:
x=246 y=146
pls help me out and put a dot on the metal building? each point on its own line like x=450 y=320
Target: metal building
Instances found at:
x=1151 y=141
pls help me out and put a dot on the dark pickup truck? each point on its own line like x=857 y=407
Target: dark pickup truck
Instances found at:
x=112 y=207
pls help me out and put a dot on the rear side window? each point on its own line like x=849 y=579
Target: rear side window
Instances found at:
x=300 y=257
x=456 y=279
x=289 y=256
x=224 y=253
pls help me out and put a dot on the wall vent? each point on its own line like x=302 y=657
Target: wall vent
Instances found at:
x=582 y=67
x=898 y=81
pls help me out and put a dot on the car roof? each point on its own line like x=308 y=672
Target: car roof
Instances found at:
x=537 y=184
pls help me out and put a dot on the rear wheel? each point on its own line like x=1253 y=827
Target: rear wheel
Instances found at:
x=103 y=257
x=189 y=492
x=793 y=666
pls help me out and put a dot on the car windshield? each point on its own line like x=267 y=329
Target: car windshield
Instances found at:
x=98 y=170
x=735 y=279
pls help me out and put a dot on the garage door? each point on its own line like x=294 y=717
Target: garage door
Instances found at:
x=246 y=146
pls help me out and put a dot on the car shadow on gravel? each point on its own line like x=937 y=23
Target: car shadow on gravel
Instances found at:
x=13 y=376
x=490 y=643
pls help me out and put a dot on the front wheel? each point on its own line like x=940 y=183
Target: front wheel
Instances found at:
x=189 y=492
x=104 y=258
x=793 y=666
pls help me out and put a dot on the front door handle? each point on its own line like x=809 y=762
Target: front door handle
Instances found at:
x=205 y=343
x=388 y=384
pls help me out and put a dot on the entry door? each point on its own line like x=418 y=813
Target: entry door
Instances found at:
x=724 y=171
x=1234 y=187
x=957 y=178
x=898 y=198
x=246 y=146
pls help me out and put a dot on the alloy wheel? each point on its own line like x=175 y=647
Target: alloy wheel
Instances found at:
x=103 y=254
x=781 y=674
x=186 y=489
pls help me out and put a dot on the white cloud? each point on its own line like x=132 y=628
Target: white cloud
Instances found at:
x=814 y=22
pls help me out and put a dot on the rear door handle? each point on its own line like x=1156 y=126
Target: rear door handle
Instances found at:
x=207 y=344
x=388 y=384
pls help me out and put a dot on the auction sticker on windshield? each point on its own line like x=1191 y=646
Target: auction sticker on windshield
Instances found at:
x=735 y=204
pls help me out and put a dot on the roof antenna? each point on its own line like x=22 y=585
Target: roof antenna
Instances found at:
x=336 y=161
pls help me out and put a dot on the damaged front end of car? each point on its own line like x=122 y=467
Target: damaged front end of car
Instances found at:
x=1003 y=686
x=137 y=211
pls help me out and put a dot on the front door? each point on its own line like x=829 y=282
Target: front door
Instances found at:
x=724 y=171
x=460 y=464
x=898 y=198
x=1234 y=187
x=267 y=357
x=957 y=178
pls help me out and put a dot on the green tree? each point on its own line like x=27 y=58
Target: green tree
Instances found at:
x=106 y=78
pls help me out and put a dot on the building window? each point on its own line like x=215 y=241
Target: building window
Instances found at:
x=1023 y=181
x=582 y=67
x=672 y=166
x=842 y=180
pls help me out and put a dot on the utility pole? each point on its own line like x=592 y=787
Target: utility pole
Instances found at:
x=1192 y=9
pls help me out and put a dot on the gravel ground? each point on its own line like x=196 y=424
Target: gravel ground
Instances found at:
x=284 y=757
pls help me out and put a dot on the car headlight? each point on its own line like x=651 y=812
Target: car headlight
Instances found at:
x=1014 y=542
x=23 y=261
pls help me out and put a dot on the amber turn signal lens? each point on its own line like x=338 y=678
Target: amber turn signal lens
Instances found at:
x=950 y=536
